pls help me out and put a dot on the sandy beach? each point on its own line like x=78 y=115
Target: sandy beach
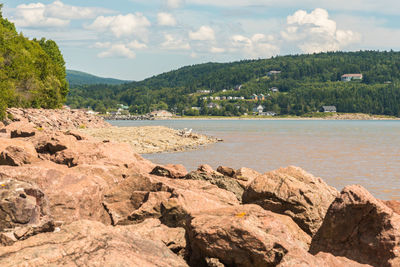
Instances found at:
x=151 y=139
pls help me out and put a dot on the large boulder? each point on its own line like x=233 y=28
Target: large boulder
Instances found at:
x=21 y=129
x=245 y=176
x=140 y=197
x=216 y=178
x=170 y=171
x=89 y=152
x=243 y=236
x=15 y=152
x=21 y=204
x=51 y=143
x=73 y=194
x=227 y=171
x=360 y=227
x=88 y=243
x=24 y=211
x=293 y=192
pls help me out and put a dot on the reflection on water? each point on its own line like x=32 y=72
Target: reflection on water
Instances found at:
x=341 y=152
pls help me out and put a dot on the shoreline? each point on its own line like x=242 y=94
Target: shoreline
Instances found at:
x=152 y=139
x=338 y=116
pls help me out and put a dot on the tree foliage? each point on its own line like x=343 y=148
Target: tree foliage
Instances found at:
x=32 y=72
x=306 y=82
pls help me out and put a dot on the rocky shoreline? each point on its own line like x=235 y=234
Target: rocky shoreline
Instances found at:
x=152 y=139
x=70 y=199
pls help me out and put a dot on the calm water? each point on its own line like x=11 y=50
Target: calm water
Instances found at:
x=341 y=152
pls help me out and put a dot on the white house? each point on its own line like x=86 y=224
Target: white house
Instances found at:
x=329 y=108
x=203 y=91
x=351 y=77
x=273 y=72
x=258 y=109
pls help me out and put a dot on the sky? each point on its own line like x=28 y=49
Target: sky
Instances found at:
x=136 y=39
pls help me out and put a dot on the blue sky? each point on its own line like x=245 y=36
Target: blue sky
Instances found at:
x=135 y=39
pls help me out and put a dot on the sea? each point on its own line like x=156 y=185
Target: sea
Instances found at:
x=341 y=152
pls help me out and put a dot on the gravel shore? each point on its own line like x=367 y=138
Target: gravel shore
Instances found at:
x=151 y=139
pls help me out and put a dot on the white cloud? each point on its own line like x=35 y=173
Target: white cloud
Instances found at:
x=166 y=19
x=205 y=33
x=60 y=10
x=122 y=25
x=173 y=43
x=102 y=45
x=381 y=6
x=315 y=32
x=257 y=46
x=118 y=50
x=137 y=45
x=217 y=50
x=55 y=14
x=174 y=3
x=33 y=15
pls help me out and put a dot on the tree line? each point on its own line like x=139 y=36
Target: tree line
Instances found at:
x=305 y=83
x=32 y=72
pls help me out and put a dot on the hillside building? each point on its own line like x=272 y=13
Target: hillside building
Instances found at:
x=328 y=108
x=351 y=77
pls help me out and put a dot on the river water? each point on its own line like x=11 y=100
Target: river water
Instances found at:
x=340 y=152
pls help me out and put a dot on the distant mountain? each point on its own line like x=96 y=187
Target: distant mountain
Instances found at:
x=76 y=78
x=293 y=85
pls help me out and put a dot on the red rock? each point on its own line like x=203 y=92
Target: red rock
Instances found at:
x=243 y=236
x=21 y=129
x=24 y=211
x=216 y=178
x=57 y=119
x=206 y=168
x=246 y=176
x=97 y=153
x=361 y=228
x=72 y=194
x=394 y=205
x=299 y=259
x=78 y=135
x=127 y=201
x=170 y=171
x=153 y=229
x=226 y=171
x=88 y=243
x=15 y=152
x=293 y=192
x=53 y=143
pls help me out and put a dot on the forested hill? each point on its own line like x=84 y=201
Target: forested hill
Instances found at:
x=32 y=72
x=305 y=83
x=76 y=78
